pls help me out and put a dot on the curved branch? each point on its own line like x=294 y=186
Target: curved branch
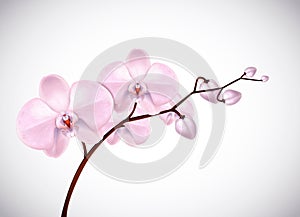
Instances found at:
x=129 y=118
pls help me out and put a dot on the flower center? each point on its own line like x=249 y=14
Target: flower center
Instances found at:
x=66 y=122
x=137 y=89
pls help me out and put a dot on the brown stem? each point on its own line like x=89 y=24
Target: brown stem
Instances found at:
x=196 y=82
x=84 y=148
x=131 y=119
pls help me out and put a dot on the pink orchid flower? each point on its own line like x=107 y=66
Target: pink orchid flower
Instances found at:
x=47 y=123
x=137 y=80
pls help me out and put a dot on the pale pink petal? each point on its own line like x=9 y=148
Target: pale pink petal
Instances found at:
x=186 y=127
x=146 y=105
x=92 y=103
x=160 y=98
x=104 y=105
x=60 y=144
x=140 y=127
x=124 y=99
x=126 y=136
x=162 y=88
x=169 y=118
x=162 y=69
x=114 y=76
x=231 y=97
x=86 y=134
x=210 y=96
x=130 y=137
x=138 y=63
x=54 y=90
x=112 y=138
x=36 y=124
x=137 y=132
x=186 y=109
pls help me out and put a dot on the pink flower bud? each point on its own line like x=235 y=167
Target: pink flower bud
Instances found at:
x=186 y=127
x=210 y=96
x=250 y=71
x=264 y=78
x=231 y=97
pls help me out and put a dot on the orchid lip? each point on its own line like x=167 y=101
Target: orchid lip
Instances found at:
x=66 y=121
x=137 y=88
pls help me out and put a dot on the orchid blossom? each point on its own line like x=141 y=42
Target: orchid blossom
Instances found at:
x=47 y=123
x=137 y=80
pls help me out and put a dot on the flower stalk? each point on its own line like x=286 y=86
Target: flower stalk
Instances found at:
x=132 y=118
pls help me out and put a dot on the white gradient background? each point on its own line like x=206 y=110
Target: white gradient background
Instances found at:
x=256 y=172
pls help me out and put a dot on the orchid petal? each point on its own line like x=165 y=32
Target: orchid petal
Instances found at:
x=162 y=69
x=124 y=99
x=146 y=104
x=113 y=138
x=86 y=134
x=137 y=132
x=140 y=127
x=54 y=90
x=231 y=97
x=92 y=103
x=168 y=118
x=130 y=137
x=114 y=76
x=138 y=63
x=186 y=127
x=161 y=88
x=36 y=124
x=126 y=136
x=60 y=144
x=186 y=109
x=210 y=96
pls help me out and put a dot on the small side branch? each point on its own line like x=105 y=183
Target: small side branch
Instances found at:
x=196 y=82
x=133 y=110
x=84 y=148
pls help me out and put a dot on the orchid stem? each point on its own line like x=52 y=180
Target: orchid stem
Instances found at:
x=84 y=148
x=129 y=118
x=133 y=110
